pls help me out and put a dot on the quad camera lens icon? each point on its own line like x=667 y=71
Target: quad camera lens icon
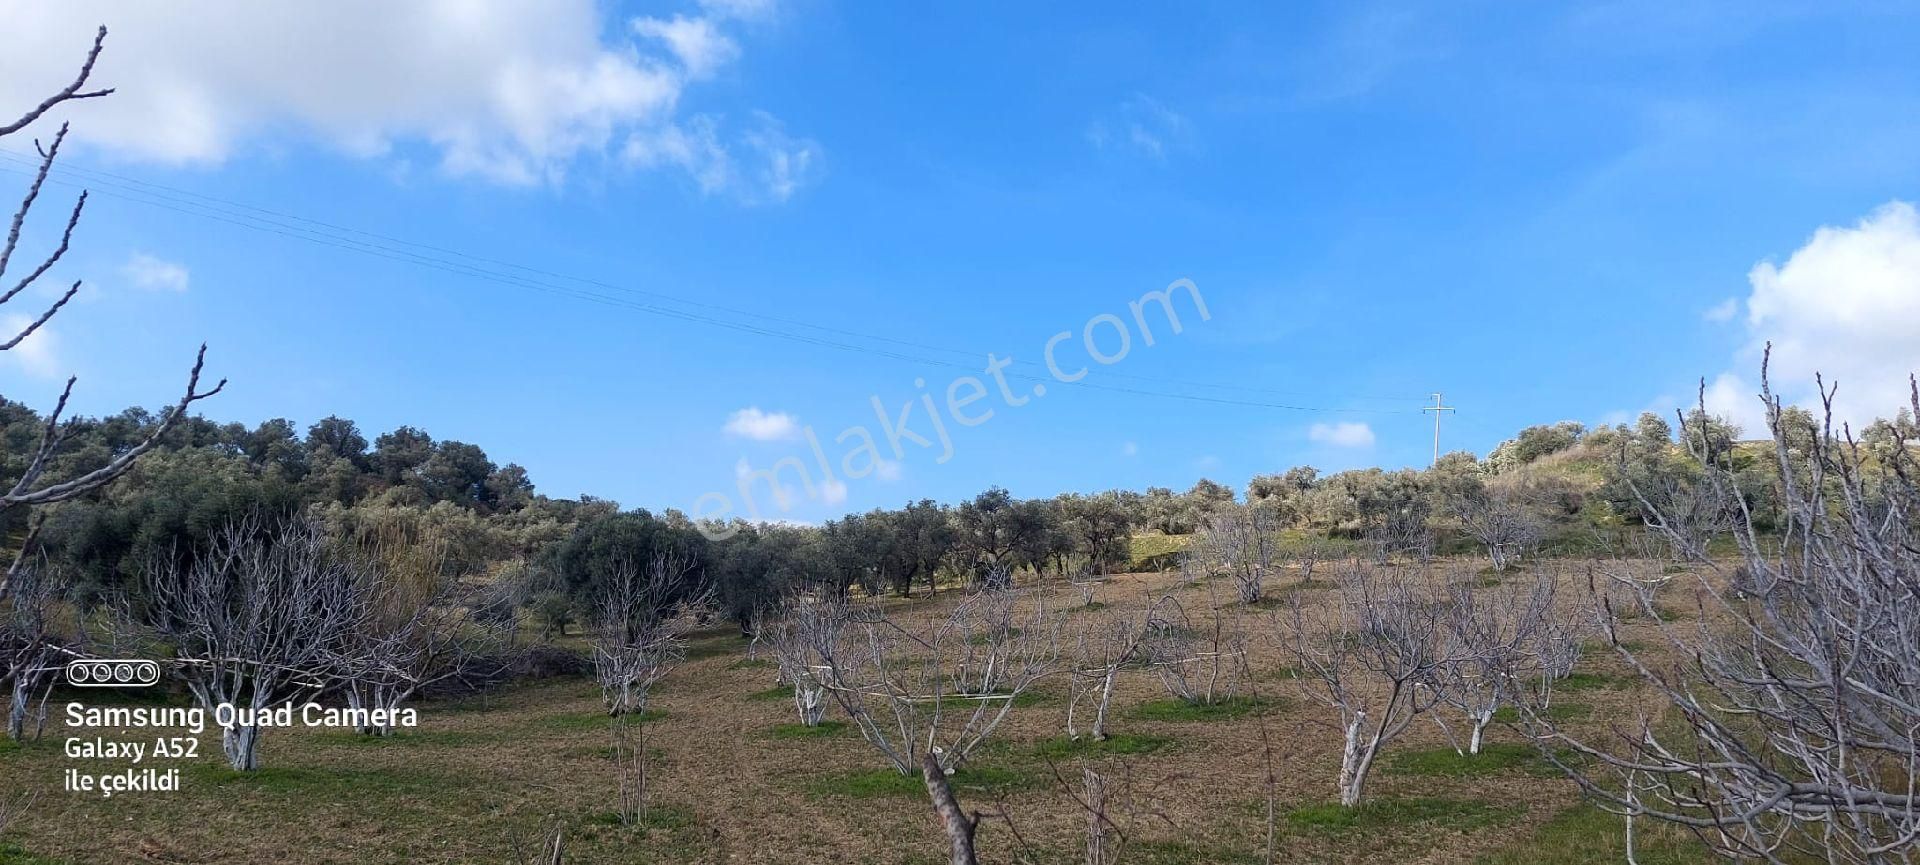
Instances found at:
x=111 y=673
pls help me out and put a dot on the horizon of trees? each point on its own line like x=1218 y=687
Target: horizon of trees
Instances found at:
x=559 y=552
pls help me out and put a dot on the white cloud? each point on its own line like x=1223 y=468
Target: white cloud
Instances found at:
x=752 y=423
x=1144 y=125
x=833 y=491
x=1723 y=311
x=784 y=163
x=154 y=274
x=516 y=91
x=1846 y=305
x=887 y=470
x=693 y=147
x=1345 y=434
x=1130 y=449
x=770 y=166
x=696 y=42
x=37 y=355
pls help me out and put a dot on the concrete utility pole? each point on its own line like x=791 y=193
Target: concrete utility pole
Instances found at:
x=1438 y=406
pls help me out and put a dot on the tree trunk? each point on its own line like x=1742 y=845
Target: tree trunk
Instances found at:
x=812 y=703
x=1106 y=698
x=1353 y=777
x=17 y=708
x=1479 y=726
x=242 y=746
x=958 y=826
x=1097 y=832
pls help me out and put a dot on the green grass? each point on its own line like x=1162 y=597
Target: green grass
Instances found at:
x=1032 y=697
x=802 y=731
x=771 y=695
x=982 y=639
x=876 y=783
x=594 y=719
x=712 y=647
x=1557 y=712
x=1064 y=748
x=406 y=739
x=1377 y=815
x=1181 y=711
x=657 y=816
x=14 y=854
x=1592 y=682
x=1585 y=835
x=1156 y=552
x=1185 y=853
x=359 y=784
x=1494 y=757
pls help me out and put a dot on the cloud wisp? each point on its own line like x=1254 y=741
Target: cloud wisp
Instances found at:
x=764 y=426
x=1344 y=434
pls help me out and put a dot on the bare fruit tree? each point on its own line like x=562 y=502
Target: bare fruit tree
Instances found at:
x=1102 y=649
x=1791 y=728
x=1242 y=543
x=1489 y=642
x=414 y=637
x=33 y=487
x=935 y=693
x=1372 y=659
x=1690 y=505
x=809 y=624
x=1307 y=556
x=636 y=639
x=32 y=647
x=1500 y=518
x=1200 y=663
x=630 y=768
x=264 y=614
x=1403 y=533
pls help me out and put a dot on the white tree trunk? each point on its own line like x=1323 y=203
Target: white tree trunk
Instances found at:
x=811 y=700
x=1480 y=723
x=242 y=747
x=17 y=708
x=1352 y=771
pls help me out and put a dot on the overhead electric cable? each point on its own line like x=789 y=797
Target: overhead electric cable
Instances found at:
x=488 y=269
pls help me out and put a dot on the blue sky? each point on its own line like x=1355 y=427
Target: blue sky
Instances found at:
x=1545 y=213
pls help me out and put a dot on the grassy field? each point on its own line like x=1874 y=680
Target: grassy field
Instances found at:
x=734 y=780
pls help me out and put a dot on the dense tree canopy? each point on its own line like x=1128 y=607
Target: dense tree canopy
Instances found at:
x=558 y=553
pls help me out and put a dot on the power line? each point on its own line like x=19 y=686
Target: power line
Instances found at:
x=464 y=264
